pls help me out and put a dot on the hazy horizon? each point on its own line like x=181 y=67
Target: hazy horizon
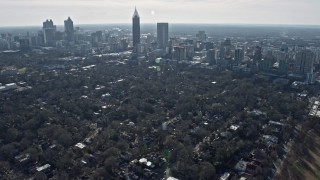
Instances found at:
x=273 y=12
x=212 y=30
x=177 y=23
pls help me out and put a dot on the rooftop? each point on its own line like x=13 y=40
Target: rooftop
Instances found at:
x=80 y=145
x=43 y=167
x=172 y=178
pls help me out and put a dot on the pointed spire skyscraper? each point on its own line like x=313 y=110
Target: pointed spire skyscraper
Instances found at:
x=135 y=14
x=135 y=29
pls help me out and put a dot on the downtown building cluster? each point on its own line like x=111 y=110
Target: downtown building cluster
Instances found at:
x=81 y=41
x=269 y=56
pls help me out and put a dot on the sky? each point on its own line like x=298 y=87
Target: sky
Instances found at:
x=34 y=12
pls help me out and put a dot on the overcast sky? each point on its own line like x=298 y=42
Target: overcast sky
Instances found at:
x=34 y=12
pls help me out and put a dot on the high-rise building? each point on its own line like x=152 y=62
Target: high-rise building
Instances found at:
x=179 y=53
x=266 y=64
x=162 y=35
x=211 y=56
x=135 y=28
x=200 y=46
x=225 y=49
x=202 y=36
x=238 y=55
x=69 y=30
x=124 y=44
x=190 y=51
x=96 y=37
x=209 y=45
x=49 y=31
x=257 y=56
x=24 y=43
x=283 y=66
x=303 y=63
x=150 y=40
x=40 y=38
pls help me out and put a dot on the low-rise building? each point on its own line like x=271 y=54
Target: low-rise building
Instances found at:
x=8 y=87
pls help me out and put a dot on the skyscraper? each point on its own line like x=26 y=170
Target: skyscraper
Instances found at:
x=69 y=30
x=179 y=53
x=303 y=63
x=238 y=55
x=202 y=36
x=225 y=49
x=162 y=35
x=24 y=43
x=211 y=56
x=283 y=66
x=257 y=56
x=135 y=29
x=49 y=31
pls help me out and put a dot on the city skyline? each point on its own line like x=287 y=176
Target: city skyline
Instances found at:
x=178 y=11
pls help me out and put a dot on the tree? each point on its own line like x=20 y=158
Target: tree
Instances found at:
x=63 y=136
x=112 y=152
x=110 y=163
x=8 y=151
x=40 y=176
x=207 y=171
x=12 y=135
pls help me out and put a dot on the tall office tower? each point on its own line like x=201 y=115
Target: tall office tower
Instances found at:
x=175 y=53
x=225 y=49
x=303 y=63
x=40 y=37
x=202 y=36
x=257 y=56
x=211 y=57
x=69 y=30
x=150 y=39
x=227 y=42
x=317 y=56
x=97 y=36
x=124 y=44
x=24 y=43
x=238 y=55
x=264 y=65
x=179 y=53
x=135 y=29
x=162 y=35
x=209 y=45
x=49 y=31
x=283 y=66
x=190 y=51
